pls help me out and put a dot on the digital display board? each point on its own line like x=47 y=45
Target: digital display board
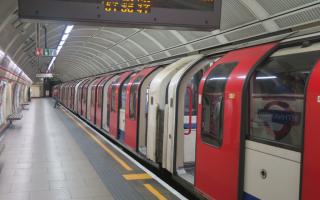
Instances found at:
x=169 y=14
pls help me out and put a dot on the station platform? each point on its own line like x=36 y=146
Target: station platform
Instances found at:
x=50 y=154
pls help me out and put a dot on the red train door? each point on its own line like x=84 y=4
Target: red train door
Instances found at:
x=132 y=105
x=219 y=146
x=80 y=96
x=100 y=101
x=115 y=103
x=95 y=98
x=311 y=161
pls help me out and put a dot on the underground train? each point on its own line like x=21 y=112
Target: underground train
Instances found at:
x=14 y=89
x=236 y=124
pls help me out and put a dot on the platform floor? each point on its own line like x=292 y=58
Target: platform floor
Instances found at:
x=50 y=154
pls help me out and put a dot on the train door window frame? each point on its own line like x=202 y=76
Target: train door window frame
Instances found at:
x=113 y=95
x=300 y=71
x=123 y=94
x=217 y=79
x=133 y=97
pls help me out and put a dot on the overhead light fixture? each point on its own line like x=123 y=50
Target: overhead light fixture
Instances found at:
x=62 y=42
x=265 y=77
x=68 y=29
x=64 y=37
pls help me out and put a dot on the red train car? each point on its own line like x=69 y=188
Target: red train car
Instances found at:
x=115 y=101
x=136 y=103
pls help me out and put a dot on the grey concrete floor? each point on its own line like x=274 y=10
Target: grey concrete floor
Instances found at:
x=42 y=161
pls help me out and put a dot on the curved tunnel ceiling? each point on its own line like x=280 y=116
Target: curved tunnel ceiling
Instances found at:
x=93 y=50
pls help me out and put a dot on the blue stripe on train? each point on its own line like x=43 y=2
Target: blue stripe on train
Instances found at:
x=248 y=196
x=186 y=126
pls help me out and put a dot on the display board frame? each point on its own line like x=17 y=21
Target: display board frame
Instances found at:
x=88 y=13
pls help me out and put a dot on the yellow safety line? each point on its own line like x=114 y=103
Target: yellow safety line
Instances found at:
x=130 y=177
x=109 y=151
x=154 y=192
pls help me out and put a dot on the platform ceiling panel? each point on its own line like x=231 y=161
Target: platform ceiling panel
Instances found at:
x=92 y=50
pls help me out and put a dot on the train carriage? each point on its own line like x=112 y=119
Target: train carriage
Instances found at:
x=136 y=112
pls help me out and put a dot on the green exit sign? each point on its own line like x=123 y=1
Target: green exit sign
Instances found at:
x=46 y=52
x=50 y=52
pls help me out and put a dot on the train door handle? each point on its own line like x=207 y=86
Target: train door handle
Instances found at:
x=263 y=173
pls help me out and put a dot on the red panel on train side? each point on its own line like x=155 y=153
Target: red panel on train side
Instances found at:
x=217 y=168
x=114 y=113
x=131 y=125
x=311 y=159
x=99 y=106
x=94 y=98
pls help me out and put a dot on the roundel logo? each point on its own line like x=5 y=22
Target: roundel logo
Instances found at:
x=278 y=118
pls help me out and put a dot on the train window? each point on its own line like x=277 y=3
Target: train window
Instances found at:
x=212 y=103
x=123 y=93
x=277 y=91
x=193 y=88
x=133 y=97
x=113 y=97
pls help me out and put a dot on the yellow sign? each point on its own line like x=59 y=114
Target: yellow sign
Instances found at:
x=128 y=6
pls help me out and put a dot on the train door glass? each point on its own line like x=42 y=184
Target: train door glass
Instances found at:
x=134 y=98
x=276 y=124
x=212 y=104
x=113 y=94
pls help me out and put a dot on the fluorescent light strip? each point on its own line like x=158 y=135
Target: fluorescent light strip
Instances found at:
x=64 y=37
x=265 y=77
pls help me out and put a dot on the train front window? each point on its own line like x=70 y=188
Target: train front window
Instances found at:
x=277 y=96
x=133 y=97
x=212 y=103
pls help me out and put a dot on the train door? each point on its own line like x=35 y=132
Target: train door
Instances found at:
x=106 y=107
x=80 y=96
x=76 y=92
x=122 y=109
x=115 y=91
x=101 y=101
x=157 y=123
x=96 y=99
x=85 y=98
x=135 y=95
x=274 y=142
x=73 y=94
x=91 y=94
x=182 y=123
x=219 y=147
